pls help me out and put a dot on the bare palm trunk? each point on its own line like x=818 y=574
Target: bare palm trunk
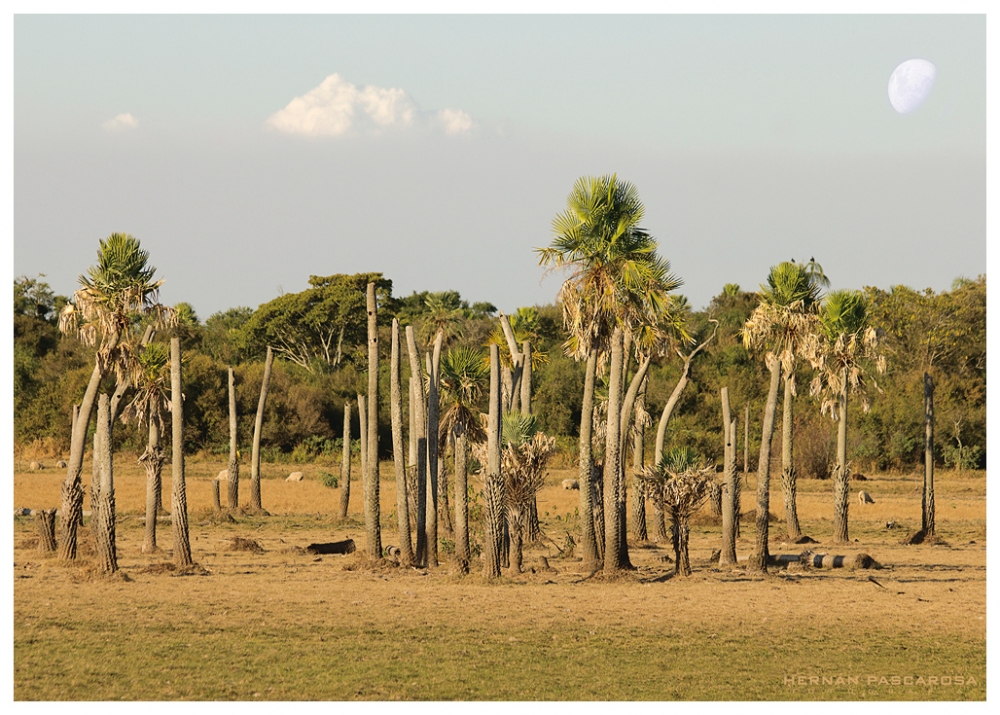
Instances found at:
x=494 y=482
x=178 y=506
x=612 y=461
x=255 y=502
x=927 y=500
x=639 y=530
x=681 y=536
x=533 y=526
x=104 y=511
x=730 y=508
x=152 y=460
x=444 y=506
x=363 y=436
x=345 y=463
x=526 y=378
x=398 y=458
x=758 y=559
x=462 y=553
x=588 y=537
x=418 y=408
x=841 y=500
x=659 y=520
x=373 y=533
x=682 y=382
x=433 y=406
x=788 y=477
x=45 y=520
x=72 y=489
x=624 y=426
x=234 y=461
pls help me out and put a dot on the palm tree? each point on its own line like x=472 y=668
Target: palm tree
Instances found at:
x=779 y=325
x=151 y=380
x=616 y=280
x=840 y=352
x=114 y=294
x=464 y=376
x=524 y=455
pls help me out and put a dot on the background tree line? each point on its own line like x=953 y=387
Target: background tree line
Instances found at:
x=319 y=337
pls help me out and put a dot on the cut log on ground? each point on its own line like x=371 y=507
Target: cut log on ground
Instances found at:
x=336 y=547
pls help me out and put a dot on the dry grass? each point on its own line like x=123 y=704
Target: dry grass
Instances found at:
x=284 y=624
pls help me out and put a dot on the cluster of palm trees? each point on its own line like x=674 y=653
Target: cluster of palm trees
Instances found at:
x=620 y=312
x=617 y=307
x=117 y=299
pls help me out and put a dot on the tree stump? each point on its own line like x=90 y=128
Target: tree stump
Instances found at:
x=46 y=521
x=216 y=498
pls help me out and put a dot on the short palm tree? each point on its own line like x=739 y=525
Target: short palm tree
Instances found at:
x=616 y=280
x=114 y=295
x=779 y=325
x=524 y=454
x=465 y=374
x=151 y=379
x=842 y=351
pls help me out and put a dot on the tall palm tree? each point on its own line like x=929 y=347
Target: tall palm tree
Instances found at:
x=779 y=325
x=114 y=294
x=616 y=280
x=841 y=352
x=465 y=374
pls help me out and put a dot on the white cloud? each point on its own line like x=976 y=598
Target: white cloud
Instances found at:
x=455 y=121
x=122 y=121
x=338 y=107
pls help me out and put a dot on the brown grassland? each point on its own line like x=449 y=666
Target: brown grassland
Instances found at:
x=283 y=624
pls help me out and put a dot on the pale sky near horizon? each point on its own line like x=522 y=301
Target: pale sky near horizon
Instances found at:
x=445 y=145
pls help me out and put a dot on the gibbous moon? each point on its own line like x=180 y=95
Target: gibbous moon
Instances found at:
x=910 y=83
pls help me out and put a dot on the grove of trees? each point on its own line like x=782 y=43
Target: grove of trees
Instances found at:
x=621 y=348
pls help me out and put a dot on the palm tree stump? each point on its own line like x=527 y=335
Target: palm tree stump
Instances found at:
x=45 y=520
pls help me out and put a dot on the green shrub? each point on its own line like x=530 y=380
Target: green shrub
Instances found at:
x=329 y=480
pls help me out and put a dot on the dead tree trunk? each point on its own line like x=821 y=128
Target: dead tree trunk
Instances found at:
x=433 y=425
x=526 y=378
x=45 y=520
x=373 y=532
x=234 y=460
x=788 y=476
x=178 y=506
x=462 y=553
x=345 y=463
x=730 y=507
x=494 y=482
x=927 y=500
x=398 y=458
x=152 y=460
x=363 y=436
x=255 y=502
x=682 y=381
x=419 y=406
x=841 y=477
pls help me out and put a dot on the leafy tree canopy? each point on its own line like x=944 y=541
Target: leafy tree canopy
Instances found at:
x=318 y=326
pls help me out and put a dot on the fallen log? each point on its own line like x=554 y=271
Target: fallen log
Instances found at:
x=335 y=547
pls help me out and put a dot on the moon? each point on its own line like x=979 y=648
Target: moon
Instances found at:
x=909 y=85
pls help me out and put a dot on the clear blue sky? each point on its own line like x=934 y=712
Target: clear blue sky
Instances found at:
x=224 y=144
